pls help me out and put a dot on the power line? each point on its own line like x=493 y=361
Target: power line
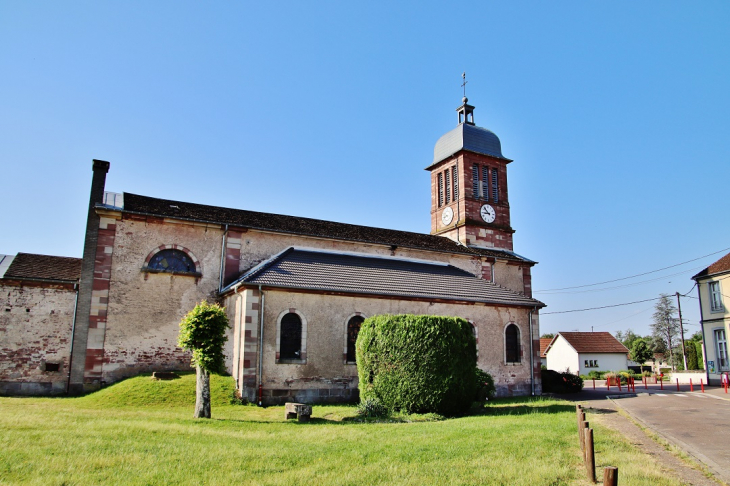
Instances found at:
x=634 y=276
x=613 y=305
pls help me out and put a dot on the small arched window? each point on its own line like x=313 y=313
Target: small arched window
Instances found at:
x=171 y=261
x=291 y=337
x=353 y=329
x=512 y=344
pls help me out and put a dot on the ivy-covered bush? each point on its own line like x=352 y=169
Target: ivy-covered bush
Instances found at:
x=556 y=382
x=417 y=364
x=484 y=385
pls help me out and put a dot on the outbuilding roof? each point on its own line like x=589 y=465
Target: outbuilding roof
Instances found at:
x=720 y=266
x=544 y=343
x=593 y=342
x=367 y=274
x=44 y=267
x=279 y=223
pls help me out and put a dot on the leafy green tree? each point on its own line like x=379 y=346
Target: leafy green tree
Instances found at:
x=628 y=338
x=548 y=335
x=692 y=356
x=665 y=325
x=640 y=352
x=203 y=331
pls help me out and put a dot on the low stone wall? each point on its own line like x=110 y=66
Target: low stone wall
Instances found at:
x=307 y=395
x=685 y=376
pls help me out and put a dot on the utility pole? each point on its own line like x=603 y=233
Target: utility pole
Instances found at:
x=681 y=330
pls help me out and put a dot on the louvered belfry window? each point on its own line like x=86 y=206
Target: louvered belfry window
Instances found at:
x=291 y=337
x=353 y=328
x=512 y=344
x=485 y=183
x=495 y=185
x=455 y=177
x=475 y=180
x=440 y=177
x=448 y=186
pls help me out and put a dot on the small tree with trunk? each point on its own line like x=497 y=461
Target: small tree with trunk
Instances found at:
x=203 y=331
x=640 y=353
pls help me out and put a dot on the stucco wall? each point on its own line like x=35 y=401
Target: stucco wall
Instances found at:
x=35 y=328
x=561 y=356
x=606 y=362
x=325 y=372
x=145 y=309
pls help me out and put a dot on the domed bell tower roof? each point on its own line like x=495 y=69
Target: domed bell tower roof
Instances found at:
x=467 y=136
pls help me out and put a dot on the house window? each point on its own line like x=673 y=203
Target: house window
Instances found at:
x=290 y=346
x=441 y=188
x=512 y=344
x=353 y=329
x=455 y=178
x=721 y=347
x=715 y=297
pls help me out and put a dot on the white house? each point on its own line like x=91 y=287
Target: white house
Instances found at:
x=583 y=352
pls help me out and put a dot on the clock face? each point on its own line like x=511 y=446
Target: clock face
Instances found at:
x=487 y=213
x=447 y=216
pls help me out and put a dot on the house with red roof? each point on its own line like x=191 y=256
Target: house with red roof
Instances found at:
x=582 y=352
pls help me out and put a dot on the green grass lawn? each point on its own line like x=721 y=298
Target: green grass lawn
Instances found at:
x=141 y=432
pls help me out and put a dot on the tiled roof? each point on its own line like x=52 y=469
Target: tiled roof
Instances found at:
x=44 y=267
x=303 y=226
x=544 y=343
x=375 y=275
x=594 y=342
x=720 y=266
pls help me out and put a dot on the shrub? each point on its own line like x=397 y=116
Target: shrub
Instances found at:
x=417 y=364
x=595 y=375
x=484 y=386
x=371 y=408
x=556 y=382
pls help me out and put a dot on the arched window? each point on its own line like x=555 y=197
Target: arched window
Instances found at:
x=353 y=328
x=512 y=344
x=172 y=261
x=290 y=347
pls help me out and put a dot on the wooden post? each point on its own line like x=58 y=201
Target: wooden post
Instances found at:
x=583 y=428
x=610 y=476
x=590 y=456
x=581 y=420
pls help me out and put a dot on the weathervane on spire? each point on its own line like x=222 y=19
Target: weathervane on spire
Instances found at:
x=463 y=85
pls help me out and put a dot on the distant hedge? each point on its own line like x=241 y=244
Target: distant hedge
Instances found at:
x=556 y=382
x=417 y=364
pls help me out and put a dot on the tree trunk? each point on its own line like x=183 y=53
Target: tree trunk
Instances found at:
x=202 y=393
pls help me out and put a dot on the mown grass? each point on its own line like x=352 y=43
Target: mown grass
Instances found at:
x=141 y=432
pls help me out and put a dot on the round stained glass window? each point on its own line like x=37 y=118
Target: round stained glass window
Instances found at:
x=173 y=261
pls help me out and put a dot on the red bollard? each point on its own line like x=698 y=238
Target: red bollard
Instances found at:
x=702 y=384
x=645 y=385
x=661 y=384
x=594 y=383
x=618 y=380
x=677 y=384
x=691 y=388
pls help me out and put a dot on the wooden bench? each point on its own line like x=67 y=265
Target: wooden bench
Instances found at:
x=299 y=411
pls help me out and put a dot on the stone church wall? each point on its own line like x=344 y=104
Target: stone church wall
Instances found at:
x=35 y=325
x=145 y=309
x=325 y=376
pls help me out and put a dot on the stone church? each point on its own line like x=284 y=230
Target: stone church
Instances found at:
x=296 y=289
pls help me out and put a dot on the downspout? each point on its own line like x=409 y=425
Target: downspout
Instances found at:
x=223 y=258
x=261 y=348
x=532 y=364
x=702 y=330
x=240 y=317
x=73 y=330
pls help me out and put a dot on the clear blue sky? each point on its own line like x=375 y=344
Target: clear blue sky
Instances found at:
x=617 y=116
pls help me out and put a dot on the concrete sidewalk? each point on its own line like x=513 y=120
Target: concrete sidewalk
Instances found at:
x=696 y=423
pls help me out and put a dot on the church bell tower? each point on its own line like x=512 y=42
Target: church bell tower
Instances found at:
x=469 y=199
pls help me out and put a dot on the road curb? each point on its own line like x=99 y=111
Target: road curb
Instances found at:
x=697 y=456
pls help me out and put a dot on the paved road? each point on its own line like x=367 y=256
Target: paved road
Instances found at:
x=697 y=423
